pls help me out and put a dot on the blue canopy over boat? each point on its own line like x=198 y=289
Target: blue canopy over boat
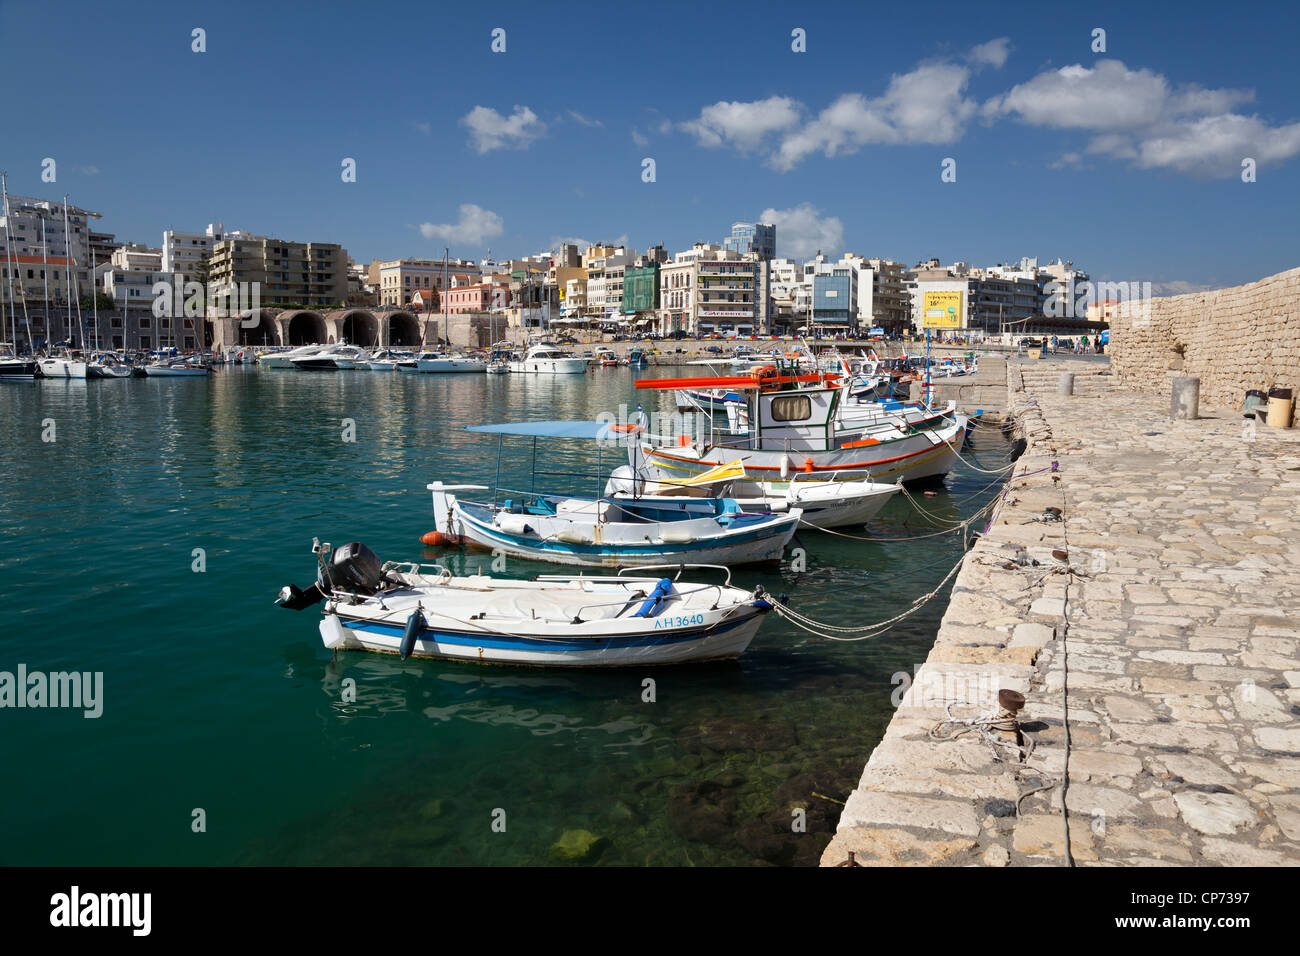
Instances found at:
x=556 y=429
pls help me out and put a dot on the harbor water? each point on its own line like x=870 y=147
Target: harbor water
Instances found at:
x=146 y=526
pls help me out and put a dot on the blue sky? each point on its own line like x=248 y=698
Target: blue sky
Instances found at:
x=1127 y=162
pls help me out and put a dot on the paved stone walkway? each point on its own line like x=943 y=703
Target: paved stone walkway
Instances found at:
x=1181 y=624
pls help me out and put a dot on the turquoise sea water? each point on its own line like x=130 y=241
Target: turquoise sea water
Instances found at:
x=214 y=698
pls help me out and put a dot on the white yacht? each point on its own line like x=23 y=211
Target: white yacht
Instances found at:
x=333 y=358
x=386 y=360
x=285 y=359
x=448 y=362
x=547 y=359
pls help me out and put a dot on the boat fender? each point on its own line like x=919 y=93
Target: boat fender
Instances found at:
x=785 y=467
x=512 y=524
x=440 y=539
x=677 y=537
x=414 y=624
x=656 y=597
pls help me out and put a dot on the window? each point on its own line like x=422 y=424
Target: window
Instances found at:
x=791 y=408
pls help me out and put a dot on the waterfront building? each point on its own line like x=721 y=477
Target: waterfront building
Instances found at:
x=28 y=215
x=399 y=279
x=707 y=289
x=479 y=297
x=312 y=274
x=641 y=291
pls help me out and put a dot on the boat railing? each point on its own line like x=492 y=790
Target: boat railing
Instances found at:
x=681 y=567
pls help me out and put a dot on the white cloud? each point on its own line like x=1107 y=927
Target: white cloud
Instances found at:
x=1216 y=145
x=802 y=230
x=1181 y=287
x=1138 y=115
x=994 y=53
x=90 y=170
x=583 y=120
x=637 y=138
x=743 y=125
x=476 y=225
x=423 y=127
x=926 y=105
x=489 y=130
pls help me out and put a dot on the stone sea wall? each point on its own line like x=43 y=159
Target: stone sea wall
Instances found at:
x=1231 y=339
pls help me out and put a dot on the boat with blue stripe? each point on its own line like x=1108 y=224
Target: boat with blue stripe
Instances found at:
x=623 y=620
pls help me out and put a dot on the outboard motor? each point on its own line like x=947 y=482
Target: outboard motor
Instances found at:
x=357 y=569
x=353 y=568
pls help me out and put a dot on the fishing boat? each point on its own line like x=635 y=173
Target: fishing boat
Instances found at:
x=793 y=428
x=546 y=359
x=597 y=531
x=637 y=358
x=825 y=504
x=607 y=358
x=426 y=611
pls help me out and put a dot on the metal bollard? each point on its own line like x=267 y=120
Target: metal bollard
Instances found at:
x=1185 y=402
x=1065 y=384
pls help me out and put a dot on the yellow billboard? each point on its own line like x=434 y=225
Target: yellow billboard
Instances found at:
x=942 y=310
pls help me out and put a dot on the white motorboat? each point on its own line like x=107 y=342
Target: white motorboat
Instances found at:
x=285 y=359
x=546 y=359
x=386 y=360
x=333 y=358
x=422 y=610
x=175 y=368
x=440 y=362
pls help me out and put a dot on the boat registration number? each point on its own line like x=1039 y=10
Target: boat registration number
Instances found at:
x=686 y=621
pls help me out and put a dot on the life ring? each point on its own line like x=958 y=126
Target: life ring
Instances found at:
x=627 y=428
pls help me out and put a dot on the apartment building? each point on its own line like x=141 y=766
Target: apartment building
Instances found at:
x=37 y=225
x=313 y=274
x=185 y=252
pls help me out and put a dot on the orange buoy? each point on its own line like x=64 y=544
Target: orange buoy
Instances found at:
x=436 y=539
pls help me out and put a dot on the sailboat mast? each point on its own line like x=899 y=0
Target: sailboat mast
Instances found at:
x=67 y=268
x=446 y=332
x=94 y=292
x=11 y=258
x=9 y=271
x=45 y=276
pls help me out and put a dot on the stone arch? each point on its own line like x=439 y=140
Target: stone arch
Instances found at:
x=257 y=327
x=402 y=329
x=303 y=327
x=354 y=326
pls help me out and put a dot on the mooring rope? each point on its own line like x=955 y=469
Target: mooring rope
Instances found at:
x=823 y=630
